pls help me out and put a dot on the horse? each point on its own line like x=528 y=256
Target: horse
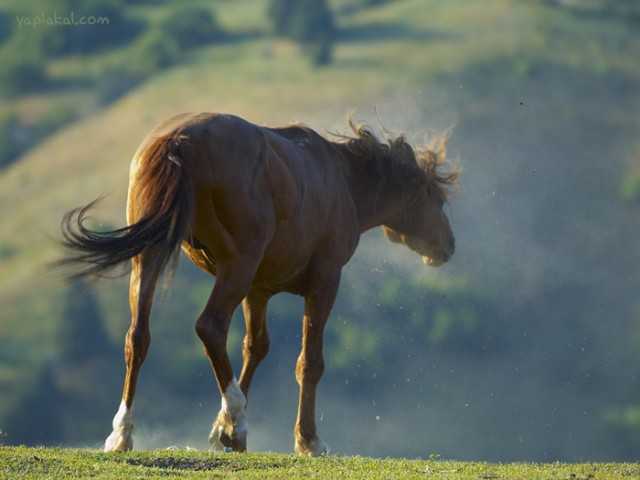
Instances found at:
x=264 y=210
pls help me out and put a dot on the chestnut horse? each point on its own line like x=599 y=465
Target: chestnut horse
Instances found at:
x=265 y=210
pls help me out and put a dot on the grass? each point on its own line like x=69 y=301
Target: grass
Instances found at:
x=41 y=463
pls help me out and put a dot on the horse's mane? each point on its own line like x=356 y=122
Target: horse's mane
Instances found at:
x=399 y=163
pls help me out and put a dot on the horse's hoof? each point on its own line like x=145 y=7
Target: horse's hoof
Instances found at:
x=223 y=441
x=118 y=442
x=311 y=448
x=121 y=439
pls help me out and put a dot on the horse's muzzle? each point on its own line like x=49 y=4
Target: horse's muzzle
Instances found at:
x=433 y=262
x=441 y=258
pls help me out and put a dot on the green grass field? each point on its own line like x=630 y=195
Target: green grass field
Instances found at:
x=39 y=463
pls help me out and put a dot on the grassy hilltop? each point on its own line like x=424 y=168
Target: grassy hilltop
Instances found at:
x=62 y=464
x=524 y=347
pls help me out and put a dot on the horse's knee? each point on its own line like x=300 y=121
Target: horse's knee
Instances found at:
x=204 y=327
x=309 y=369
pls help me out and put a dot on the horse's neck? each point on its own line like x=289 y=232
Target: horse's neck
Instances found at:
x=374 y=204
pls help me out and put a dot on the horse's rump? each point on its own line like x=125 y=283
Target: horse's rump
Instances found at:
x=159 y=214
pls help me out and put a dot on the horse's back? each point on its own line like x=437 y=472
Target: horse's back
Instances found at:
x=273 y=193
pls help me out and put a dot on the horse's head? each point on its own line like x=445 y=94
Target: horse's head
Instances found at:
x=413 y=188
x=421 y=223
x=424 y=228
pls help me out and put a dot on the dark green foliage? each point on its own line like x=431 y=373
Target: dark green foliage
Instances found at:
x=94 y=26
x=74 y=27
x=191 y=26
x=162 y=45
x=6 y=251
x=82 y=336
x=309 y=22
x=6 y=25
x=320 y=51
x=625 y=10
x=20 y=75
x=65 y=27
x=303 y=21
x=59 y=403
x=30 y=415
x=155 y=51
x=448 y=315
x=9 y=144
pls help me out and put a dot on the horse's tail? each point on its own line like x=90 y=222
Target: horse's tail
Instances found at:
x=161 y=205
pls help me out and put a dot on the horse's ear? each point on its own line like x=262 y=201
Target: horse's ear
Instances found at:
x=391 y=234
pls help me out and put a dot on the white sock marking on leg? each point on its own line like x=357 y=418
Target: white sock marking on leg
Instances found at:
x=120 y=438
x=231 y=419
x=233 y=400
x=123 y=418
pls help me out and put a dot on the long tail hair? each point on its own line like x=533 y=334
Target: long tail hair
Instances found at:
x=162 y=198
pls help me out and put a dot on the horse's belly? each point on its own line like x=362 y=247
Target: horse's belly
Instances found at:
x=283 y=265
x=280 y=274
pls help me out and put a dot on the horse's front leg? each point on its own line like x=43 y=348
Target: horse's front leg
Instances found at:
x=230 y=428
x=256 y=343
x=310 y=365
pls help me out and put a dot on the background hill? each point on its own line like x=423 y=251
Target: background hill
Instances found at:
x=522 y=348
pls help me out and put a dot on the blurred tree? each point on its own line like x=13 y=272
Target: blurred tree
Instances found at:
x=6 y=25
x=154 y=51
x=165 y=42
x=9 y=144
x=82 y=334
x=309 y=22
x=191 y=26
x=20 y=75
x=77 y=26
x=449 y=315
x=30 y=416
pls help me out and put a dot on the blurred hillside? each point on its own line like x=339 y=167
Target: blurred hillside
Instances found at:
x=523 y=347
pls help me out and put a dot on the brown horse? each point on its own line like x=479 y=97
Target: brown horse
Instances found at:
x=265 y=210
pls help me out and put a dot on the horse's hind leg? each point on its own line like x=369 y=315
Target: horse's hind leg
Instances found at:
x=144 y=275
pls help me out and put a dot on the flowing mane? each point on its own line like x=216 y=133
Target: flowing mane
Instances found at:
x=401 y=164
